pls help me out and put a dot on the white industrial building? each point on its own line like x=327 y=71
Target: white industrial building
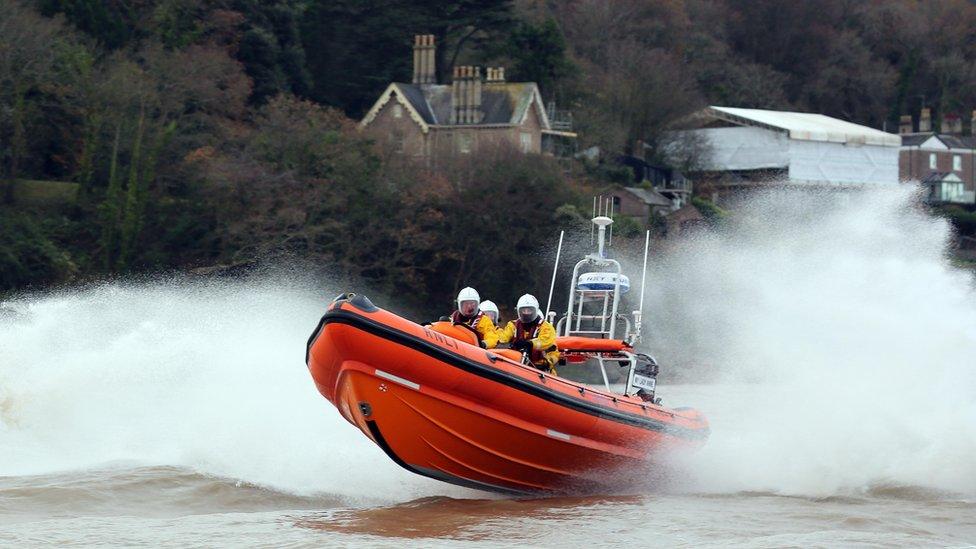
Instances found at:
x=742 y=147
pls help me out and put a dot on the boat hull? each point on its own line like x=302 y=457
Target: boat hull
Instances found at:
x=455 y=412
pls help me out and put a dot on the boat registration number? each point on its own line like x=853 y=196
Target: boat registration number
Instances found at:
x=644 y=382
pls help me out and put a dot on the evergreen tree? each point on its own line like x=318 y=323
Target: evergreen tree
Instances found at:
x=271 y=48
x=538 y=54
x=356 y=48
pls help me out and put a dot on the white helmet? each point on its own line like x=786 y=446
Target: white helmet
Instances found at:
x=468 y=294
x=528 y=308
x=489 y=308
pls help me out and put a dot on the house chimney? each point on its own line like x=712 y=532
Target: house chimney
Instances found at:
x=905 y=124
x=456 y=96
x=952 y=124
x=494 y=75
x=466 y=95
x=416 y=59
x=475 y=104
x=424 y=70
x=925 y=120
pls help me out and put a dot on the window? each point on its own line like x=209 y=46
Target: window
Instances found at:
x=526 y=140
x=464 y=143
x=952 y=192
x=397 y=111
x=932 y=161
x=399 y=141
x=957 y=163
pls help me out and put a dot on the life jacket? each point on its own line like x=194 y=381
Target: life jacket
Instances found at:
x=470 y=322
x=526 y=332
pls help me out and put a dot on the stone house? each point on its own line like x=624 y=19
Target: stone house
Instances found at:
x=427 y=120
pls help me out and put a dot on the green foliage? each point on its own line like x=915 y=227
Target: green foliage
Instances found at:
x=713 y=214
x=962 y=219
x=111 y=209
x=271 y=48
x=177 y=23
x=538 y=54
x=570 y=216
x=626 y=226
x=27 y=255
x=41 y=195
x=105 y=21
x=41 y=64
x=610 y=173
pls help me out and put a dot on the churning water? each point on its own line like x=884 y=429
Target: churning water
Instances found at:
x=834 y=344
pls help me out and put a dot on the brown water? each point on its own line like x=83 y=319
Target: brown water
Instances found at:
x=127 y=504
x=166 y=506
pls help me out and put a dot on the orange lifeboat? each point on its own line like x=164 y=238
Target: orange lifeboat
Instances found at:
x=443 y=407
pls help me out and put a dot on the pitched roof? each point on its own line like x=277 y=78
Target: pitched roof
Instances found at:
x=914 y=139
x=958 y=141
x=939 y=177
x=649 y=196
x=501 y=102
x=951 y=141
x=805 y=126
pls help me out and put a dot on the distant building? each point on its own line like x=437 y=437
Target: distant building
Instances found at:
x=751 y=147
x=669 y=182
x=639 y=204
x=426 y=120
x=656 y=191
x=941 y=161
x=642 y=204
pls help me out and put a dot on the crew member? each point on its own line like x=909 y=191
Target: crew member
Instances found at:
x=491 y=310
x=469 y=315
x=532 y=334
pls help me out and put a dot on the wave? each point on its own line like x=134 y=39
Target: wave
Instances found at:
x=205 y=375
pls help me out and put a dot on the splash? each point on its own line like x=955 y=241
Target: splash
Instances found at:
x=208 y=376
x=842 y=339
x=838 y=339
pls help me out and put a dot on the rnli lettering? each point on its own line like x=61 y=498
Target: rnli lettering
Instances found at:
x=440 y=338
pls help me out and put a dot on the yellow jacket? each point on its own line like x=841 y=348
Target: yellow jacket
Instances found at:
x=542 y=335
x=488 y=331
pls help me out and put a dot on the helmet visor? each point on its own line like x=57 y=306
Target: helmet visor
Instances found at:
x=468 y=308
x=526 y=314
x=493 y=316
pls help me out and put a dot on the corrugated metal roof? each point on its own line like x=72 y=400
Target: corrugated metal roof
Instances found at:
x=807 y=126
